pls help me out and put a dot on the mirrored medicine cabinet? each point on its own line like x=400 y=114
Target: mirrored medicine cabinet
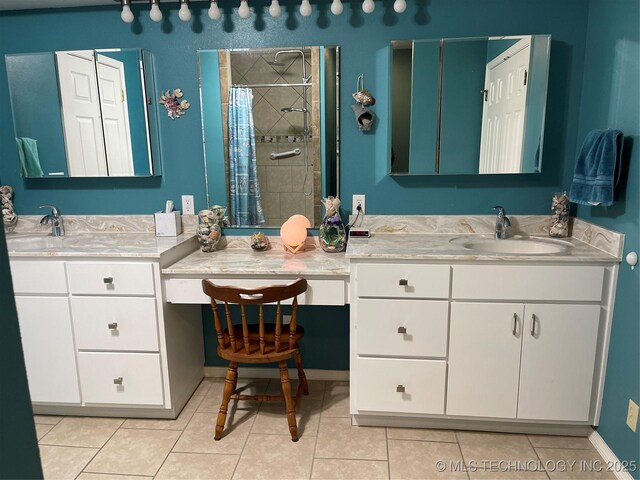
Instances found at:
x=85 y=113
x=468 y=105
x=271 y=134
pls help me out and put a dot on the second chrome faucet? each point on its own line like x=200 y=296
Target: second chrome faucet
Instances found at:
x=55 y=218
x=502 y=222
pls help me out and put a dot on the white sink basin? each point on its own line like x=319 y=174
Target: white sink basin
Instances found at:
x=514 y=245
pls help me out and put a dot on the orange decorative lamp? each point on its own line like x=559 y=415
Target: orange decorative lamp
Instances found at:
x=294 y=232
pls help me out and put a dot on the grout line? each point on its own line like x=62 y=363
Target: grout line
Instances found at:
x=538 y=456
x=386 y=438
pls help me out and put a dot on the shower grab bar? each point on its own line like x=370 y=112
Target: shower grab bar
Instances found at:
x=290 y=153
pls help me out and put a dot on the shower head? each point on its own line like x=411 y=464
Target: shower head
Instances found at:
x=293 y=109
x=276 y=63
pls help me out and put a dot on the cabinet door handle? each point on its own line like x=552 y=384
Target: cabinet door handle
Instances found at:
x=108 y=280
x=533 y=325
x=400 y=389
x=514 y=330
x=403 y=282
x=113 y=326
x=117 y=381
x=402 y=330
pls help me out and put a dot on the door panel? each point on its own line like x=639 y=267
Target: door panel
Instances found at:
x=558 y=362
x=484 y=359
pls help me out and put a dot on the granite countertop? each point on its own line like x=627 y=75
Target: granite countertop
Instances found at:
x=237 y=257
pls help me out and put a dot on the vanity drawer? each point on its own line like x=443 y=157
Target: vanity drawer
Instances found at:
x=378 y=382
x=528 y=282
x=111 y=278
x=38 y=277
x=126 y=323
x=403 y=280
x=425 y=323
x=141 y=376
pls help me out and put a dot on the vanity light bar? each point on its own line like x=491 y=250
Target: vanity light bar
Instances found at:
x=368 y=6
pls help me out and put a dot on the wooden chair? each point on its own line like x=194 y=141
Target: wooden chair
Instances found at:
x=258 y=343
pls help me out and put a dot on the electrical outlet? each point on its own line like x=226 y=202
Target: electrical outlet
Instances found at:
x=632 y=416
x=187 y=205
x=286 y=319
x=358 y=200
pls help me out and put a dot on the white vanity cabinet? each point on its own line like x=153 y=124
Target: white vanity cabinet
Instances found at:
x=99 y=339
x=493 y=342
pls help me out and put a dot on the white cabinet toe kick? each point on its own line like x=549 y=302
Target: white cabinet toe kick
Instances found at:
x=515 y=348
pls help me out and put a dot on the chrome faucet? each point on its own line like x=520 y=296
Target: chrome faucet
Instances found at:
x=55 y=217
x=502 y=222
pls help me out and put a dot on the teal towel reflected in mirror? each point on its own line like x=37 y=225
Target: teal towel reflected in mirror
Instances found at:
x=28 y=156
x=598 y=168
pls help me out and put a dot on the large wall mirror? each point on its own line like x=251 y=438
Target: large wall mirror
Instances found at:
x=468 y=105
x=84 y=113
x=270 y=119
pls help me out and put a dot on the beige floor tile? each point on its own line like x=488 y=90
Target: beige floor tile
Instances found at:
x=106 y=476
x=82 y=432
x=336 y=401
x=565 y=463
x=272 y=418
x=47 y=419
x=424 y=434
x=179 y=423
x=523 y=472
x=553 y=441
x=337 y=438
x=425 y=460
x=211 y=401
x=134 y=452
x=198 y=436
x=275 y=457
x=204 y=386
x=61 y=463
x=482 y=450
x=42 y=429
x=195 y=466
x=331 y=469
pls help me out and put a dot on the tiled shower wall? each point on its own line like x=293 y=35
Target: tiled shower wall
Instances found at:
x=290 y=185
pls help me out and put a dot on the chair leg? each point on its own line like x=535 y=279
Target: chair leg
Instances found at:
x=301 y=376
x=288 y=400
x=229 y=387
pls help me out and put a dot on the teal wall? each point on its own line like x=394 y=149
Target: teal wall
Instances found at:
x=611 y=99
x=19 y=456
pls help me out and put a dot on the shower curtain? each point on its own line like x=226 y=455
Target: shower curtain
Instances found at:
x=246 y=204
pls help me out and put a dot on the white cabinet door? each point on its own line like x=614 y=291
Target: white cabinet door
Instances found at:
x=484 y=359
x=558 y=359
x=49 y=353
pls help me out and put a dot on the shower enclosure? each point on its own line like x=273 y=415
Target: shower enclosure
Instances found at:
x=286 y=114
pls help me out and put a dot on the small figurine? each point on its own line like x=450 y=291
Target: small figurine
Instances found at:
x=259 y=241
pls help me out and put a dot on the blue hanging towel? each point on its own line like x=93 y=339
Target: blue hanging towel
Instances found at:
x=598 y=168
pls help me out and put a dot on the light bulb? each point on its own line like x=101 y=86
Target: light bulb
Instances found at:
x=184 y=13
x=368 y=6
x=214 y=11
x=305 y=8
x=155 y=13
x=244 y=11
x=274 y=8
x=399 y=6
x=336 y=7
x=127 y=14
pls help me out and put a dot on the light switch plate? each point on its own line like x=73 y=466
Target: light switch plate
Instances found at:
x=632 y=416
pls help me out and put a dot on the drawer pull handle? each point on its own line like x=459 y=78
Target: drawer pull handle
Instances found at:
x=402 y=330
x=117 y=381
x=403 y=282
x=515 y=324
x=113 y=326
x=533 y=325
x=400 y=389
x=108 y=280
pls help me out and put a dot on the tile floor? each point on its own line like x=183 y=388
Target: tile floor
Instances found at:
x=257 y=445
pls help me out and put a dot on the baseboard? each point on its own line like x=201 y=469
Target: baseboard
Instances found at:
x=608 y=456
x=252 y=372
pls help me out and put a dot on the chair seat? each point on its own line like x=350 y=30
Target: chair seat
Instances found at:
x=254 y=356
